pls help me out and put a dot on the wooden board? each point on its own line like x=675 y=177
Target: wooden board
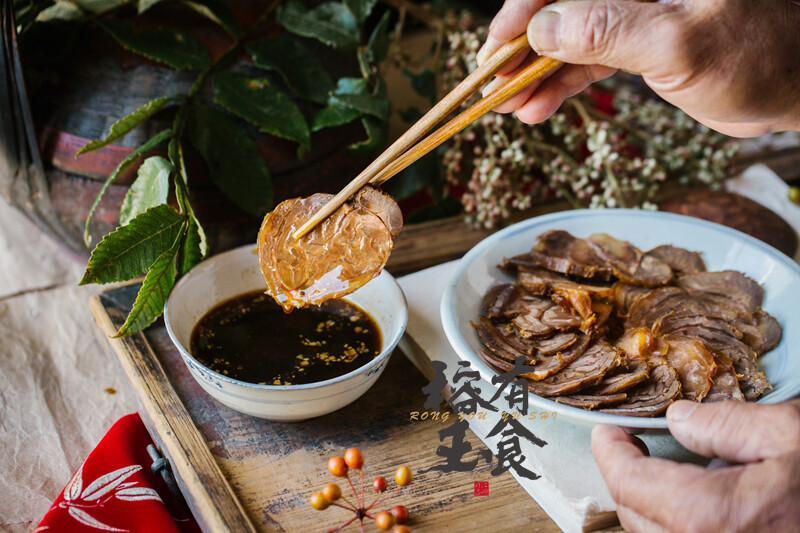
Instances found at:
x=240 y=473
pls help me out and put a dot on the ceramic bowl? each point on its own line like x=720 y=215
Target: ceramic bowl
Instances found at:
x=721 y=247
x=236 y=272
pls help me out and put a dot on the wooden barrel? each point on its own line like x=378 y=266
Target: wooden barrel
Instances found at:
x=104 y=83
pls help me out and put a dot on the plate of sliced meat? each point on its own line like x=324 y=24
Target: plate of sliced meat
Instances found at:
x=609 y=316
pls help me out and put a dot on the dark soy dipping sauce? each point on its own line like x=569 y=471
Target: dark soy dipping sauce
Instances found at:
x=250 y=338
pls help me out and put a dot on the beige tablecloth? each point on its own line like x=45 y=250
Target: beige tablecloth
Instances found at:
x=54 y=372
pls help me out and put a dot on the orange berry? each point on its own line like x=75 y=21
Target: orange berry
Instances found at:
x=337 y=466
x=401 y=529
x=332 y=492
x=384 y=520
x=354 y=458
x=379 y=484
x=400 y=514
x=319 y=502
x=403 y=476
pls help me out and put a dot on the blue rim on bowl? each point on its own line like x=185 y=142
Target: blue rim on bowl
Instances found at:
x=591 y=221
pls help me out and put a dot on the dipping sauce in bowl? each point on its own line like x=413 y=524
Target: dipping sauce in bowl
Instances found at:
x=251 y=338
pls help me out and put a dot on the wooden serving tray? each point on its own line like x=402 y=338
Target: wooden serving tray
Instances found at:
x=240 y=473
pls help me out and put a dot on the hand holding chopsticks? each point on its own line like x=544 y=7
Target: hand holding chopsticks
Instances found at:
x=401 y=153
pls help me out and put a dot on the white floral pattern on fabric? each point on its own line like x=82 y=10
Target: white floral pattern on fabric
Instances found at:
x=78 y=500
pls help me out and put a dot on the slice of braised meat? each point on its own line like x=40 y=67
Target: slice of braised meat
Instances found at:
x=693 y=362
x=680 y=260
x=518 y=343
x=559 y=251
x=625 y=294
x=726 y=384
x=677 y=320
x=494 y=340
x=588 y=401
x=341 y=254
x=541 y=281
x=727 y=283
x=622 y=379
x=647 y=308
x=497 y=301
x=547 y=365
x=752 y=381
x=586 y=370
x=771 y=331
x=382 y=205
x=543 y=316
x=558 y=342
x=652 y=397
x=629 y=263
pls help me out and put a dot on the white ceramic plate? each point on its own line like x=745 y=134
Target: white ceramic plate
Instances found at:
x=722 y=248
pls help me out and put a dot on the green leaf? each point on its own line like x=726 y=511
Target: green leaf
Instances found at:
x=149 y=190
x=360 y=9
x=377 y=133
x=219 y=13
x=423 y=82
x=366 y=104
x=61 y=10
x=149 y=304
x=378 y=43
x=100 y=6
x=261 y=104
x=144 y=5
x=169 y=46
x=192 y=251
x=124 y=165
x=295 y=63
x=330 y=23
x=334 y=115
x=234 y=163
x=129 y=251
x=26 y=14
x=124 y=125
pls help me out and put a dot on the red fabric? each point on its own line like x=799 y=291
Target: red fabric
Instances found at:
x=115 y=490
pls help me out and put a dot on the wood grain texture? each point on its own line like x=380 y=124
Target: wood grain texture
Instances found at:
x=273 y=468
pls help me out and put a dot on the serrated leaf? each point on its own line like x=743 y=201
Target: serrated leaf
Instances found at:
x=124 y=165
x=261 y=104
x=377 y=133
x=234 y=163
x=423 y=82
x=378 y=43
x=330 y=23
x=129 y=251
x=219 y=13
x=169 y=46
x=150 y=188
x=124 y=125
x=295 y=63
x=192 y=252
x=369 y=105
x=150 y=300
x=360 y=8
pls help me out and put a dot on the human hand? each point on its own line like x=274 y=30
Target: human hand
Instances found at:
x=733 y=65
x=761 y=492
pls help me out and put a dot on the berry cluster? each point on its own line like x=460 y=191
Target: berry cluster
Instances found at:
x=332 y=493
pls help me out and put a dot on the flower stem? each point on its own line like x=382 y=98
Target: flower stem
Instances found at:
x=380 y=499
x=354 y=491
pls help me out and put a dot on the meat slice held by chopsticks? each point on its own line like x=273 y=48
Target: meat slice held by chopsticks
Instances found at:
x=341 y=254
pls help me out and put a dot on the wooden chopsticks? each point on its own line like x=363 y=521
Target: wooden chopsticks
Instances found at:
x=401 y=153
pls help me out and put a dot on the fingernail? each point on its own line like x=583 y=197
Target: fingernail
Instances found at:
x=543 y=31
x=681 y=410
x=489 y=47
x=490 y=87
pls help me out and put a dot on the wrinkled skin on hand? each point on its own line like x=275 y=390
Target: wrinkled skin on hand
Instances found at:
x=760 y=491
x=733 y=65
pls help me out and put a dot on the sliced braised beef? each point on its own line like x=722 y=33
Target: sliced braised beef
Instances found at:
x=559 y=251
x=677 y=320
x=550 y=364
x=496 y=342
x=586 y=370
x=726 y=384
x=382 y=205
x=727 y=283
x=681 y=261
x=693 y=362
x=628 y=263
x=622 y=379
x=625 y=294
x=587 y=401
x=518 y=343
x=499 y=297
x=653 y=396
x=541 y=281
x=650 y=307
x=770 y=329
x=542 y=317
x=557 y=343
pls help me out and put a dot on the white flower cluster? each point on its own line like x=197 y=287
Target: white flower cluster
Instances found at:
x=590 y=156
